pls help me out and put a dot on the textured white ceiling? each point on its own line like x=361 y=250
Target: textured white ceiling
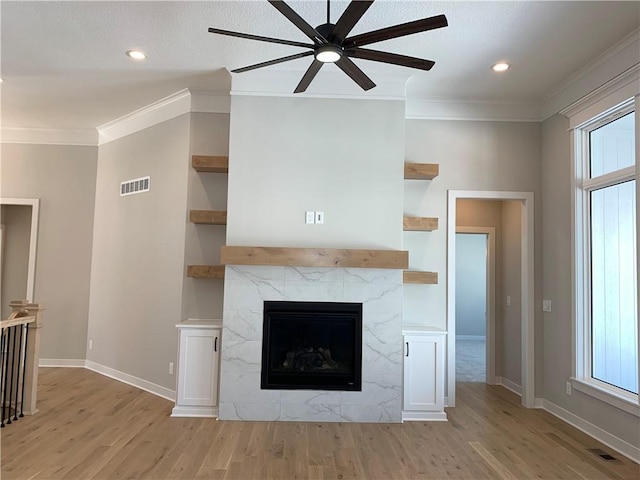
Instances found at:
x=64 y=64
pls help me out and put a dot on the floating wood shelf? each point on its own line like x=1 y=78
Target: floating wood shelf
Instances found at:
x=421 y=171
x=314 y=257
x=424 y=224
x=205 y=163
x=208 y=217
x=413 y=276
x=205 y=271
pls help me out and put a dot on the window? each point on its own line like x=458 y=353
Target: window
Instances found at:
x=606 y=249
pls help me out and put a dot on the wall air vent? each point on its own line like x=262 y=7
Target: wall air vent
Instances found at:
x=137 y=185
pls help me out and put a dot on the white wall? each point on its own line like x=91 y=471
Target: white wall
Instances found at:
x=64 y=179
x=472 y=155
x=342 y=157
x=202 y=298
x=471 y=284
x=137 y=270
x=557 y=336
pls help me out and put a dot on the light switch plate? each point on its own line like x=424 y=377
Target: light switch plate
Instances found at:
x=319 y=217
x=310 y=217
x=546 y=305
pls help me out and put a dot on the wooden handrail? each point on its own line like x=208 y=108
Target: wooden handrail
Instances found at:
x=17 y=320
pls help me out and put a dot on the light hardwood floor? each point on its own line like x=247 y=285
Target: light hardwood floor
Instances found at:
x=90 y=426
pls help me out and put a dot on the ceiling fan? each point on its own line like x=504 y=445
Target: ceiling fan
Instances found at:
x=331 y=43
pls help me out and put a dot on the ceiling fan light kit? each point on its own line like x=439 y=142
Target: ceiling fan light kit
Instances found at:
x=331 y=43
x=328 y=53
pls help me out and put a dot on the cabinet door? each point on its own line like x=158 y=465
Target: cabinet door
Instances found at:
x=423 y=372
x=198 y=367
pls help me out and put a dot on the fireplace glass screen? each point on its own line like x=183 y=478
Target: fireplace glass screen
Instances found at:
x=312 y=345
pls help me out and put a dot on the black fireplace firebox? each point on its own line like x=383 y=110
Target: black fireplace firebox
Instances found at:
x=312 y=345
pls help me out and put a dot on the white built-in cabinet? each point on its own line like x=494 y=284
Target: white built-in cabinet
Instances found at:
x=198 y=367
x=424 y=366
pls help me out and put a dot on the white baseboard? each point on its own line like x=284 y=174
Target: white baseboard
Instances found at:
x=62 y=362
x=423 y=416
x=509 y=385
x=471 y=337
x=198 y=412
x=630 y=451
x=131 y=380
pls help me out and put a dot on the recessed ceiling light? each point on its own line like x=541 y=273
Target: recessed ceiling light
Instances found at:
x=136 y=54
x=500 y=67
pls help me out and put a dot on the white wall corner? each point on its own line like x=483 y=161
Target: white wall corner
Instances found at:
x=628 y=450
x=50 y=136
x=460 y=109
x=203 y=101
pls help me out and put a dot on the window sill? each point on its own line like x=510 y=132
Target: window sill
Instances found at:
x=605 y=393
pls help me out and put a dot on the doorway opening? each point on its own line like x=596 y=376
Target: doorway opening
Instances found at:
x=509 y=349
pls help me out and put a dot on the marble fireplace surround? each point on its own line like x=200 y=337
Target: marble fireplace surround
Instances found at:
x=379 y=290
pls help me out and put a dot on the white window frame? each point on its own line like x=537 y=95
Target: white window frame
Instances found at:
x=582 y=379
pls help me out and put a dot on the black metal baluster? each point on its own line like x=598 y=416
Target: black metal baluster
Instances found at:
x=20 y=355
x=6 y=375
x=13 y=369
x=24 y=366
x=3 y=373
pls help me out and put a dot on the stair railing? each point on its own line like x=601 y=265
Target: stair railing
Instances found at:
x=19 y=358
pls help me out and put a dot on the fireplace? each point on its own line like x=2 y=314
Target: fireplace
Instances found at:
x=312 y=346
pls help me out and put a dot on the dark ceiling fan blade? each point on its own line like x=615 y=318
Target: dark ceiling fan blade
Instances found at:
x=298 y=21
x=272 y=62
x=309 y=75
x=259 y=38
x=347 y=66
x=393 y=58
x=352 y=14
x=396 y=31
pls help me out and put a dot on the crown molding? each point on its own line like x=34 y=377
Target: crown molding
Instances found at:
x=457 y=109
x=614 y=92
x=172 y=106
x=49 y=136
x=281 y=83
x=616 y=60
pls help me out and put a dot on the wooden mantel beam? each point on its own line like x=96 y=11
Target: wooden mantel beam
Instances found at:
x=314 y=257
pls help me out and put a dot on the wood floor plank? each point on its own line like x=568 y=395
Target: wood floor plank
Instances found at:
x=93 y=427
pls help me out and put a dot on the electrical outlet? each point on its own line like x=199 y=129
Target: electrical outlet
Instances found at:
x=319 y=217
x=90 y=344
x=170 y=368
x=310 y=217
x=546 y=305
x=508 y=300
x=569 y=388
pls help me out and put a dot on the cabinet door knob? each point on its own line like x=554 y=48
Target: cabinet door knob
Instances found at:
x=215 y=344
x=407 y=348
